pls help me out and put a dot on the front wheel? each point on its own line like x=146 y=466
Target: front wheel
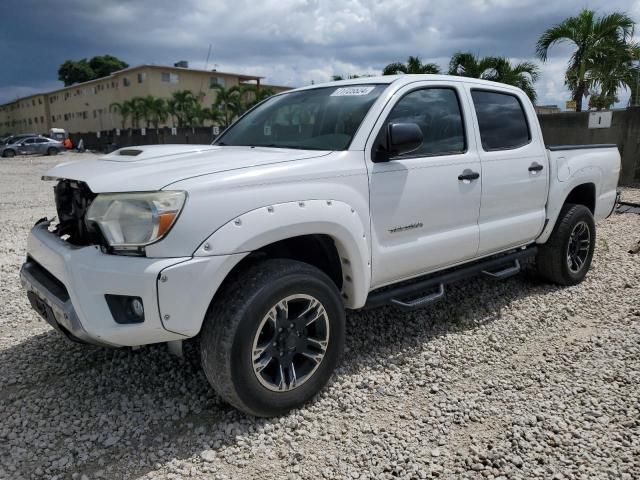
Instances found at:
x=273 y=336
x=52 y=151
x=9 y=153
x=566 y=257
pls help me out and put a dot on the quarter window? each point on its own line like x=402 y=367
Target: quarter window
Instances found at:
x=501 y=119
x=437 y=112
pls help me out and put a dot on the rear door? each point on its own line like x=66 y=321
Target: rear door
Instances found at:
x=42 y=145
x=515 y=169
x=423 y=216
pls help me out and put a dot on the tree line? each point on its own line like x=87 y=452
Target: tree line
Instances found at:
x=605 y=59
x=186 y=109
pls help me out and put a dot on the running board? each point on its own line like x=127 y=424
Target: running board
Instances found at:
x=506 y=265
x=506 y=273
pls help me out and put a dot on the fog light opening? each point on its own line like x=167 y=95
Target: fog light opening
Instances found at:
x=125 y=309
x=137 y=307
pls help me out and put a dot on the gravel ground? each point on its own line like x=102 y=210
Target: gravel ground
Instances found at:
x=515 y=380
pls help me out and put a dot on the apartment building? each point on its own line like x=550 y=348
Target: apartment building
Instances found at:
x=86 y=107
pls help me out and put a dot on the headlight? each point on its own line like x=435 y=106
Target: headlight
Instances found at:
x=135 y=219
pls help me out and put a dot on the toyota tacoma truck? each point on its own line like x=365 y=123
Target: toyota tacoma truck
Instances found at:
x=347 y=195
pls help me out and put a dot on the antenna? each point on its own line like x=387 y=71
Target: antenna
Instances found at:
x=206 y=64
x=206 y=67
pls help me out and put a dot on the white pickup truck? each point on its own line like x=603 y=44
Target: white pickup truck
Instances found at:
x=348 y=195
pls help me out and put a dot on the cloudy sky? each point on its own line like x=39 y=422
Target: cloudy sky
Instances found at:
x=290 y=42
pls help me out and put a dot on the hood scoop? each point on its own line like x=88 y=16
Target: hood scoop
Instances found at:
x=128 y=152
x=149 y=152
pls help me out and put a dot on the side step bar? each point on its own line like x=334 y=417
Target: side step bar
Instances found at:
x=506 y=266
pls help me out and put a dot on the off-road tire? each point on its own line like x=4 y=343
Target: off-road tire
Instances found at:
x=233 y=318
x=551 y=260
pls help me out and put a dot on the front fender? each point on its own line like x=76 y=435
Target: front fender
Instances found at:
x=266 y=225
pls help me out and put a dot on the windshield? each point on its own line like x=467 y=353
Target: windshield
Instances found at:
x=317 y=119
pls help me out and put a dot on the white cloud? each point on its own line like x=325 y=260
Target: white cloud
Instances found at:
x=290 y=42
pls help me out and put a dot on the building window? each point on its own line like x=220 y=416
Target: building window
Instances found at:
x=53 y=118
x=84 y=115
x=142 y=77
x=33 y=102
x=39 y=101
x=216 y=81
x=169 y=77
x=35 y=120
x=125 y=82
x=41 y=119
x=66 y=117
x=29 y=121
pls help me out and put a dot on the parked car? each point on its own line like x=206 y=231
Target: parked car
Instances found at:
x=349 y=195
x=32 y=145
x=16 y=138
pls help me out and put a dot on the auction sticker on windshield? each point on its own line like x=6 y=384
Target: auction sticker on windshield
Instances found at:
x=352 y=91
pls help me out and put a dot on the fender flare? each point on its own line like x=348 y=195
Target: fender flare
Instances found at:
x=269 y=224
x=559 y=193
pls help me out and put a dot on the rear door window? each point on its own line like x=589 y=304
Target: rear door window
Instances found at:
x=501 y=120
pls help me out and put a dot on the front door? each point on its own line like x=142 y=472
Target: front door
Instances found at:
x=28 y=146
x=424 y=210
x=515 y=170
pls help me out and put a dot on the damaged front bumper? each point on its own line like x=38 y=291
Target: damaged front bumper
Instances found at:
x=67 y=284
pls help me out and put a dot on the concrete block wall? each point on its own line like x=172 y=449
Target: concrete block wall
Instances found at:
x=571 y=128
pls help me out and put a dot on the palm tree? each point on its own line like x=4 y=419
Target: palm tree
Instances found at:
x=145 y=106
x=351 y=76
x=124 y=109
x=413 y=65
x=138 y=110
x=254 y=96
x=181 y=107
x=593 y=38
x=522 y=75
x=498 y=69
x=229 y=102
x=155 y=110
x=615 y=70
x=466 y=64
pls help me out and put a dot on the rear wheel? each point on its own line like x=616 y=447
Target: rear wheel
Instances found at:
x=52 y=151
x=566 y=257
x=273 y=336
x=9 y=153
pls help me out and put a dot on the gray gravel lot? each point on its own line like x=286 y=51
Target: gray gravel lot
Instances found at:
x=515 y=380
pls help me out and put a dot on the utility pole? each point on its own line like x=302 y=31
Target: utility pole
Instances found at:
x=637 y=83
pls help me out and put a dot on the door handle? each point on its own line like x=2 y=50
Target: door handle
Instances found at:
x=468 y=175
x=535 y=167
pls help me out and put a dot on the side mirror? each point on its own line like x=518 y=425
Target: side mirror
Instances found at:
x=400 y=138
x=404 y=138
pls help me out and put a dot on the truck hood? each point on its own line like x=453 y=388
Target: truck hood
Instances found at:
x=148 y=168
